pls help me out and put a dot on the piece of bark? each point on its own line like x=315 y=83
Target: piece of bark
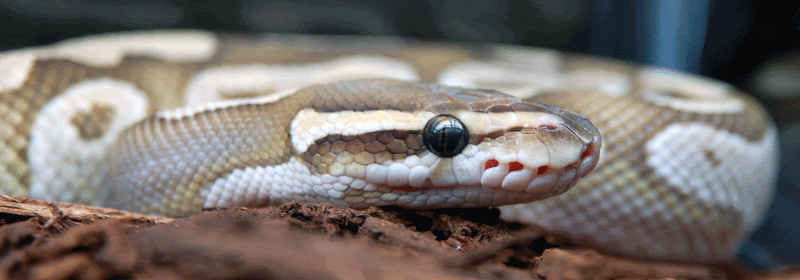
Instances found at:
x=301 y=240
x=233 y=244
x=392 y=234
x=97 y=251
x=581 y=263
x=61 y=213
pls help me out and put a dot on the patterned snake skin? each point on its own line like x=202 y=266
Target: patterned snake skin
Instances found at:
x=685 y=173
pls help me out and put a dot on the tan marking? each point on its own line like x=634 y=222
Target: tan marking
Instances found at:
x=711 y=157
x=214 y=83
x=94 y=123
x=108 y=50
x=248 y=94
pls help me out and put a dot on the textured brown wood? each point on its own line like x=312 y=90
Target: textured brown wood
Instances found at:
x=300 y=241
x=50 y=210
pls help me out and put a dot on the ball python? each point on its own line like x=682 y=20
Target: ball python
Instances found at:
x=170 y=122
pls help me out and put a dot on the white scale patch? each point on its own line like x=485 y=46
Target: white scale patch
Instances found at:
x=526 y=72
x=465 y=169
x=207 y=90
x=265 y=185
x=309 y=125
x=708 y=95
x=108 y=50
x=212 y=84
x=603 y=81
x=677 y=156
x=518 y=71
x=60 y=160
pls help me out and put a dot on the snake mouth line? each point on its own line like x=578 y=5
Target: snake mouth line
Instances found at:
x=515 y=166
x=515 y=176
x=409 y=189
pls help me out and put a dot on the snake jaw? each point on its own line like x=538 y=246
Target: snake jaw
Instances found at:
x=530 y=148
x=533 y=168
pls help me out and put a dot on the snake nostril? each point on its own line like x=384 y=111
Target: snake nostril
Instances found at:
x=548 y=126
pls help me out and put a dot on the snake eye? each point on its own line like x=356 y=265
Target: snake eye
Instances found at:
x=445 y=136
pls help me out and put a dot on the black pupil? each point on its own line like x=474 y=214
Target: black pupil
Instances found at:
x=445 y=136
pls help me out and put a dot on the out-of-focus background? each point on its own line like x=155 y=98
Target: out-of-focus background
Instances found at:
x=747 y=43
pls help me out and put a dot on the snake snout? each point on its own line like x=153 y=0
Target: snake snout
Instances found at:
x=545 y=151
x=545 y=160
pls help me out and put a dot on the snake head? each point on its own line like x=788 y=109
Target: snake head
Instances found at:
x=444 y=146
x=531 y=151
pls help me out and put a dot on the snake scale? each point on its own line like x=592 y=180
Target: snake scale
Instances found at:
x=170 y=122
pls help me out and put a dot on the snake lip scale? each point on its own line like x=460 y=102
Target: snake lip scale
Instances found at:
x=170 y=122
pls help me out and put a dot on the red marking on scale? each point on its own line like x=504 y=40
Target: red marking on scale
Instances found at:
x=586 y=153
x=542 y=169
x=492 y=163
x=515 y=166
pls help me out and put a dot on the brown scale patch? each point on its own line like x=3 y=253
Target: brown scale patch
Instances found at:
x=709 y=154
x=247 y=94
x=94 y=123
x=220 y=134
x=679 y=94
x=577 y=62
x=477 y=138
x=361 y=150
x=164 y=83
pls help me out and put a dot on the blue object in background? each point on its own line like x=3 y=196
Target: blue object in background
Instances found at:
x=669 y=33
x=675 y=33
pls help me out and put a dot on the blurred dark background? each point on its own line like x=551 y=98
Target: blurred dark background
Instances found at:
x=746 y=43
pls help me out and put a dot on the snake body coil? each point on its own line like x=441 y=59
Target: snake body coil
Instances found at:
x=171 y=122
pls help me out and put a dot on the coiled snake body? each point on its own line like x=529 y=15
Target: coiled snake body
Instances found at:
x=170 y=122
